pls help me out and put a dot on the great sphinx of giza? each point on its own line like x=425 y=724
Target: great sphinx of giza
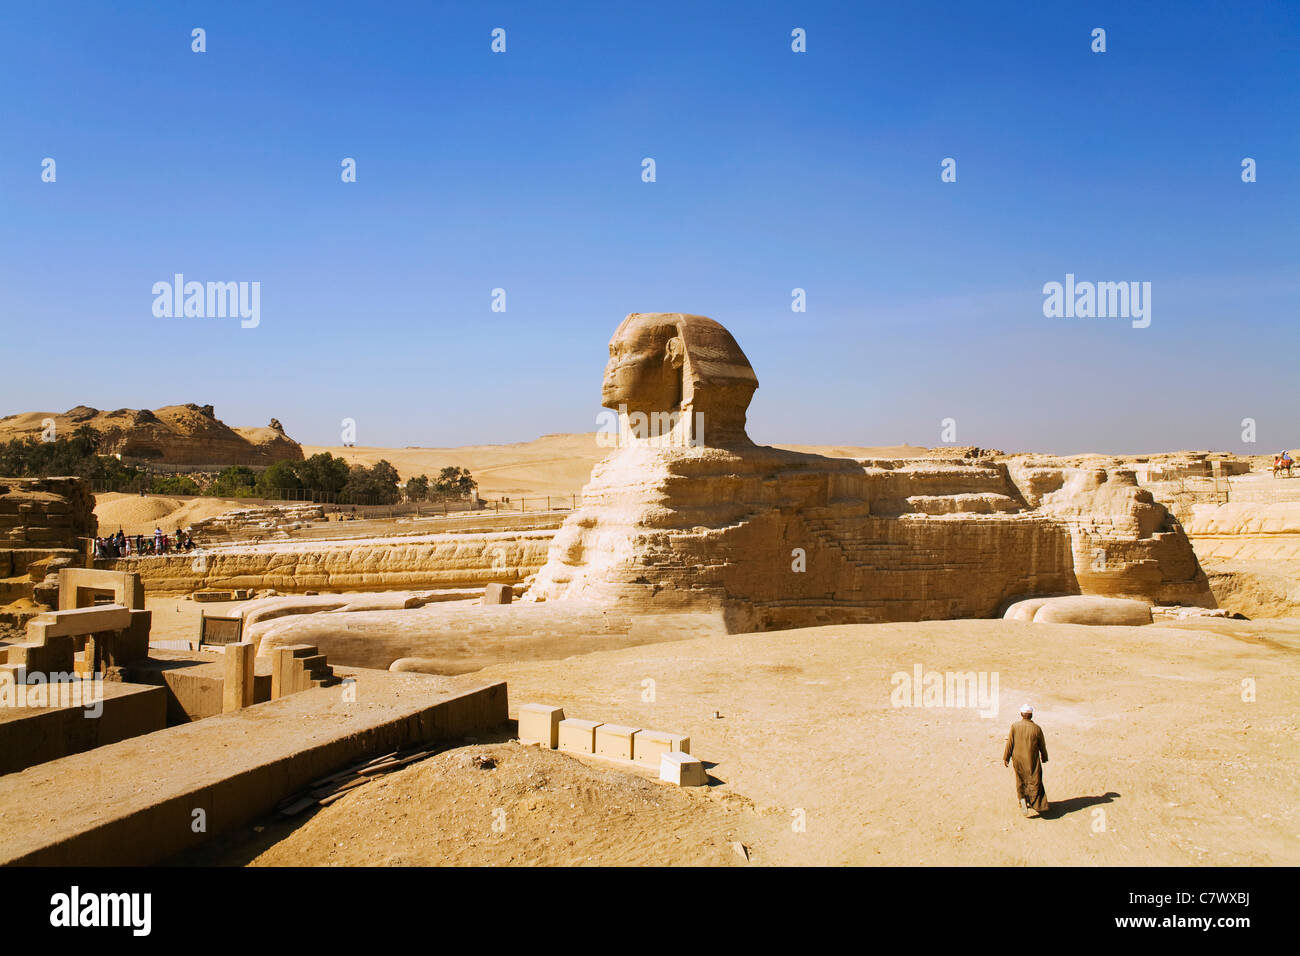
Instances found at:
x=688 y=519
x=702 y=516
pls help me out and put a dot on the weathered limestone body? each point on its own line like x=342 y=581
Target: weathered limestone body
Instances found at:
x=783 y=539
x=1080 y=609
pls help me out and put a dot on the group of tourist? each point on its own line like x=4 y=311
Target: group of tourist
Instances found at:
x=122 y=545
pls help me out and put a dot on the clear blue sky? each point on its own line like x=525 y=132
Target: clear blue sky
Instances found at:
x=775 y=170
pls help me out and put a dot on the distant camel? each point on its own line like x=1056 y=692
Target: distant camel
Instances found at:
x=1282 y=464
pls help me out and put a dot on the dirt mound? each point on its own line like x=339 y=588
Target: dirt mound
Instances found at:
x=135 y=514
x=175 y=435
x=522 y=806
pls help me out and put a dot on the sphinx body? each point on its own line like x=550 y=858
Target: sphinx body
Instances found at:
x=776 y=538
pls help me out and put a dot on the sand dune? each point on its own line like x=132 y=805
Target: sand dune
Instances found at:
x=136 y=514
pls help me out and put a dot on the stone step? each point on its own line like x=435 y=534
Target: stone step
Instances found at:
x=14 y=589
x=313 y=663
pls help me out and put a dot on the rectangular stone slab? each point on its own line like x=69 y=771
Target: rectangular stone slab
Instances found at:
x=615 y=741
x=682 y=770
x=85 y=620
x=540 y=724
x=578 y=736
x=651 y=744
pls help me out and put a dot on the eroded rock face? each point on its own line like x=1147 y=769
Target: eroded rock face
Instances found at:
x=1250 y=547
x=43 y=526
x=175 y=435
x=698 y=516
x=1126 y=544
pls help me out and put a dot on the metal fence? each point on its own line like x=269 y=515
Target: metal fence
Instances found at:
x=544 y=503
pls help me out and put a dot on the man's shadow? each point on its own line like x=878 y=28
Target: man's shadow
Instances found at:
x=1059 y=808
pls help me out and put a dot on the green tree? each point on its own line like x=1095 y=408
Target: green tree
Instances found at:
x=85 y=441
x=174 y=485
x=32 y=458
x=236 y=481
x=372 y=486
x=453 y=482
x=417 y=488
x=276 y=480
x=323 y=473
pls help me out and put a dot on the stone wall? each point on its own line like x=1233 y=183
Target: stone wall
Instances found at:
x=43 y=526
x=45 y=512
x=433 y=561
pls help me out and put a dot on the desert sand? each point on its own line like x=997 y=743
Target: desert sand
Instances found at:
x=557 y=465
x=140 y=514
x=1155 y=759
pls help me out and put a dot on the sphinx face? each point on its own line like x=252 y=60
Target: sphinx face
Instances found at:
x=644 y=372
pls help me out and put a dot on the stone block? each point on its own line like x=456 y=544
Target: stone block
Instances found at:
x=651 y=744
x=84 y=620
x=131 y=645
x=78 y=587
x=46 y=593
x=210 y=597
x=53 y=655
x=498 y=594
x=616 y=741
x=682 y=769
x=288 y=672
x=237 y=689
x=540 y=724
x=578 y=736
x=13 y=673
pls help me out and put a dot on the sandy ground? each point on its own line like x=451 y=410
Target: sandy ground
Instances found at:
x=1155 y=757
x=177 y=619
x=520 y=806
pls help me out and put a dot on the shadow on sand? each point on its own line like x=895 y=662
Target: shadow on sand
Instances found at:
x=1059 y=808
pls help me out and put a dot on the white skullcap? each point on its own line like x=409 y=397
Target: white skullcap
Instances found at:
x=1027 y=709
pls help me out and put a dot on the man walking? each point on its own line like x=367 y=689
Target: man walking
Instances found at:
x=1025 y=746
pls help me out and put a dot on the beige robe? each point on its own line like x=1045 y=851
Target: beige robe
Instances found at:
x=1025 y=746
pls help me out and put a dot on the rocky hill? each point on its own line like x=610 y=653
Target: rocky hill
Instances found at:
x=179 y=435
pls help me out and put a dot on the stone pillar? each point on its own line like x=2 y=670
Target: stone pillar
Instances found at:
x=237 y=688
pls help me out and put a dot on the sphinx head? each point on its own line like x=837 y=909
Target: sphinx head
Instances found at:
x=671 y=362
